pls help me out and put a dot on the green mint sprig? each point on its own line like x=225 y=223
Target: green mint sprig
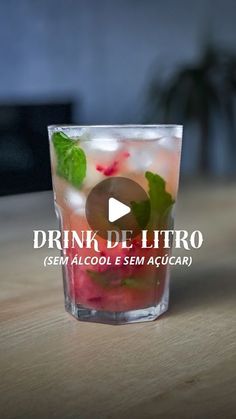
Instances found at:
x=71 y=159
x=141 y=211
x=154 y=212
x=104 y=279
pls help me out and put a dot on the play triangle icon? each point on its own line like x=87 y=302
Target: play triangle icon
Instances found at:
x=116 y=210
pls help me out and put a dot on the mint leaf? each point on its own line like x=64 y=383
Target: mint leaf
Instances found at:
x=160 y=200
x=101 y=278
x=134 y=283
x=154 y=211
x=71 y=159
x=141 y=211
x=106 y=279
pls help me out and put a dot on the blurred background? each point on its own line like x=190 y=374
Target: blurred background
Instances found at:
x=113 y=62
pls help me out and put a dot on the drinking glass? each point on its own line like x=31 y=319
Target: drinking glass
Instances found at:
x=81 y=158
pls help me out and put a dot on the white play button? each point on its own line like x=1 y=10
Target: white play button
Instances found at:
x=116 y=209
x=109 y=206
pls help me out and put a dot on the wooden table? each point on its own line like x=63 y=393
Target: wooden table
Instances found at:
x=181 y=366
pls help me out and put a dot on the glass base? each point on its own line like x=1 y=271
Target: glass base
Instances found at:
x=115 y=318
x=120 y=317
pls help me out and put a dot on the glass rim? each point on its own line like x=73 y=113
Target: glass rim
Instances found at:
x=119 y=133
x=116 y=126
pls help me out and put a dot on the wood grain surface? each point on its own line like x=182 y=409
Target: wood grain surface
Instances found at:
x=180 y=366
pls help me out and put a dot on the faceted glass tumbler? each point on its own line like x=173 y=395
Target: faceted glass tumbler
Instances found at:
x=83 y=156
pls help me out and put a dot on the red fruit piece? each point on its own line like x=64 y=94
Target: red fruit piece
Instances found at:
x=110 y=170
x=126 y=154
x=113 y=168
x=99 y=168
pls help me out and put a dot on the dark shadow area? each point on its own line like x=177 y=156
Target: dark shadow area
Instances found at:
x=24 y=147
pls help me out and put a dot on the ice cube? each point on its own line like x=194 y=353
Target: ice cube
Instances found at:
x=170 y=143
x=75 y=199
x=93 y=176
x=101 y=145
x=140 y=159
